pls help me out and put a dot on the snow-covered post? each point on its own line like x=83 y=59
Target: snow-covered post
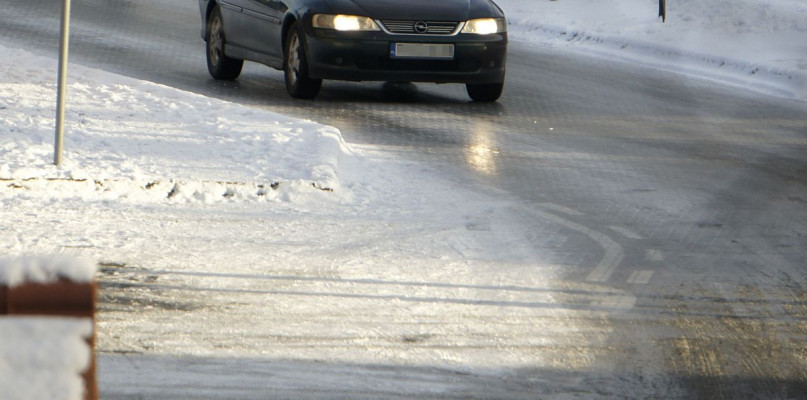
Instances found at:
x=662 y=10
x=63 y=50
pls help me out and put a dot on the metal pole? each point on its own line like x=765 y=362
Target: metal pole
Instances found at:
x=662 y=10
x=62 y=82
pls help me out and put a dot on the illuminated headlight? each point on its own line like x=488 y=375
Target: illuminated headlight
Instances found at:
x=344 y=22
x=485 y=26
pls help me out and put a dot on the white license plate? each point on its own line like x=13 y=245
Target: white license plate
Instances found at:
x=422 y=50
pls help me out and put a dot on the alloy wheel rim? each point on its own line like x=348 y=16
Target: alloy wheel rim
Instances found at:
x=294 y=59
x=215 y=41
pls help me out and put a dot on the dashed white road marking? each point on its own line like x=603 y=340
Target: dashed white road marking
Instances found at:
x=613 y=257
x=640 y=277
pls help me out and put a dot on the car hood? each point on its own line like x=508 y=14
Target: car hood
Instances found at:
x=443 y=10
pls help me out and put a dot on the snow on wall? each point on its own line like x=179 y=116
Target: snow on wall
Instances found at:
x=45 y=269
x=42 y=358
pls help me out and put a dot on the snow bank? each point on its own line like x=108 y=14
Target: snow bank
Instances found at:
x=756 y=44
x=42 y=358
x=45 y=269
x=131 y=140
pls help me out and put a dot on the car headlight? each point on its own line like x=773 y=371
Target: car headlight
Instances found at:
x=344 y=22
x=485 y=26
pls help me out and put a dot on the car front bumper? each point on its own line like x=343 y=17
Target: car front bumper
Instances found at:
x=365 y=56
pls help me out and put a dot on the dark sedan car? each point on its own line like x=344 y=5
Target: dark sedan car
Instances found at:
x=442 y=41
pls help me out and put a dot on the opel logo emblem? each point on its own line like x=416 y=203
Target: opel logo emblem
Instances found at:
x=421 y=27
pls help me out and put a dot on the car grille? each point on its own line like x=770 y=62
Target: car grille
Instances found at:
x=405 y=27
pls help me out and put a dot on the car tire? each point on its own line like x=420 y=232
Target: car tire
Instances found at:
x=295 y=68
x=485 y=92
x=218 y=64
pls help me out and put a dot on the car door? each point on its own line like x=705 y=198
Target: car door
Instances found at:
x=264 y=20
x=233 y=19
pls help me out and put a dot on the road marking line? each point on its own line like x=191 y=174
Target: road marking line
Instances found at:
x=614 y=254
x=626 y=232
x=640 y=277
x=613 y=257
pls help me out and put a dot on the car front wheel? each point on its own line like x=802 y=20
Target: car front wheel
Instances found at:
x=219 y=65
x=485 y=92
x=295 y=67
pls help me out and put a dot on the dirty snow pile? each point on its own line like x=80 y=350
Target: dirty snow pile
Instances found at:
x=132 y=140
x=757 y=44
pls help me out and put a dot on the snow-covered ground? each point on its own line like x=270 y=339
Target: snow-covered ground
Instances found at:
x=242 y=213
x=125 y=134
x=757 y=44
